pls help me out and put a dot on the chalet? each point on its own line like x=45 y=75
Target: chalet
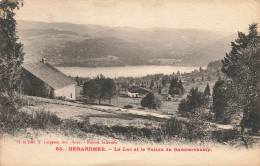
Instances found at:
x=43 y=80
x=137 y=92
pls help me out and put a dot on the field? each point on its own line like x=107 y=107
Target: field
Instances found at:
x=95 y=122
x=79 y=120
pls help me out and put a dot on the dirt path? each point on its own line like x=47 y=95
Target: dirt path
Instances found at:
x=153 y=114
x=132 y=111
x=77 y=111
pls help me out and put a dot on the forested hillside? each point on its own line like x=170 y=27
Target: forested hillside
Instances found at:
x=65 y=44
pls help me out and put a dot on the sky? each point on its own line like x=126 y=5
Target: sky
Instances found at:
x=215 y=15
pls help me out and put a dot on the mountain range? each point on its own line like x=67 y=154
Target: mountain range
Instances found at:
x=66 y=44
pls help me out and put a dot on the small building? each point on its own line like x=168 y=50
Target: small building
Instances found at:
x=43 y=80
x=167 y=97
x=137 y=92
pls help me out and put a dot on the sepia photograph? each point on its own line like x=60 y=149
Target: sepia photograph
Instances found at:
x=129 y=82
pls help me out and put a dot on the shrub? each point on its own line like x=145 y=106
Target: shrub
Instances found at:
x=194 y=100
x=223 y=107
x=45 y=119
x=151 y=101
x=128 y=106
x=13 y=121
x=172 y=127
x=184 y=107
x=196 y=128
x=60 y=98
x=25 y=101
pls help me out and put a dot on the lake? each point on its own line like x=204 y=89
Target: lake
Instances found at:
x=126 y=71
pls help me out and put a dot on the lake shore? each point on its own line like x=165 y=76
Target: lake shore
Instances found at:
x=126 y=71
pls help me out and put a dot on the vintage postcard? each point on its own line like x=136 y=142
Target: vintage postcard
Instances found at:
x=129 y=82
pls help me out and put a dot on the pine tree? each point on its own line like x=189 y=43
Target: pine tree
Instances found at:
x=178 y=73
x=180 y=86
x=142 y=85
x=207 y=90
x=207 y=95
x=194 y=100
x=209 y=78
x=77 y=80
x=160 y=90
x=242 y=66
x=164 y=81
x=11 y=56
x=220 y=101
x=201 y=70
x=173 y=86
x=108 y=90
x=91 y=90
x=176 y=87
x=234 y=61
x=81 y=81
x=152 y=84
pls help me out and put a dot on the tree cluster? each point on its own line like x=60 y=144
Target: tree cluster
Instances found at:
x=237 y=96
x=176 y=87
x=214 y=65
x=99 y=88
x=165 y=80
x=151 y=101
x=241 y=65
x=195 y=100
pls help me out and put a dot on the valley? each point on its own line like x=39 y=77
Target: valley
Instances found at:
x=74 y=45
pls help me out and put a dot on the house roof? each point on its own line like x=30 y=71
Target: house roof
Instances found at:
x=49 y=74
x=139 y=90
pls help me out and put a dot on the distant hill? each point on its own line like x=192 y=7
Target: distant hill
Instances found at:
x=104 y=51
x=214 y=51
x=78 y=28
x=38 y=32
x=172 y=41
x=93 y=45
